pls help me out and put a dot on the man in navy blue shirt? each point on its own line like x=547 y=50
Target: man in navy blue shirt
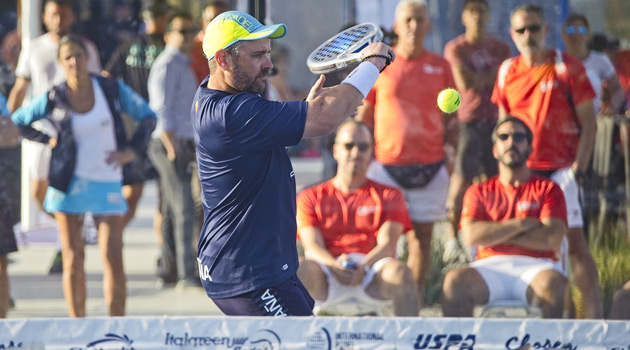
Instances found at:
x=247 y=254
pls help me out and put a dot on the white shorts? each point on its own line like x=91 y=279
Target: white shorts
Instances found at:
x=425 y=204
x=566 y=180
x=351 y=299
x=508 y=276
x=36 y=159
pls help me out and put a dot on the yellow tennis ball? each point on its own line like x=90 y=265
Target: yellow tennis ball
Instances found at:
x=448 y=100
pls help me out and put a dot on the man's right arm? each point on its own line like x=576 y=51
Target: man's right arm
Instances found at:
x=328 y=107
x=313 y=242
x=18 y=92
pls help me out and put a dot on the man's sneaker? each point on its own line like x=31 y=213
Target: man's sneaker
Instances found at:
x=160 y=283
x=57 y=265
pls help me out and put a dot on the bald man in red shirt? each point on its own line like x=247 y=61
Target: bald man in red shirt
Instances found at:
x=349 y=226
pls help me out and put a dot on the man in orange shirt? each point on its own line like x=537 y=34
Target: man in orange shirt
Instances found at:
x=199 y=62
x=411 y=133
x=349 y=226
x=550 y=91
x=517 y=221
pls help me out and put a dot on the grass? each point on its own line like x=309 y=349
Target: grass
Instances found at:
x=612 y=258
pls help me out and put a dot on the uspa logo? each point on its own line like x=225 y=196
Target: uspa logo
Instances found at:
x=445 y=341
x=264 y=339
x=111 y=341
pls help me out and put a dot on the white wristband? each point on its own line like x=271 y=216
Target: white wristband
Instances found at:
x=363 y=77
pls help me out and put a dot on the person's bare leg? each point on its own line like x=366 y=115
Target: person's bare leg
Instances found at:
x=157 y=219
x=394 y=282
x=313 y=278
x=620 y=307
x=132 y=194
x=419 y=243
x=585 y=273
x=38 y=191
x=547 y=290
x=4 y=286
x=73 y=257
x=110 y=242
x=463 y=288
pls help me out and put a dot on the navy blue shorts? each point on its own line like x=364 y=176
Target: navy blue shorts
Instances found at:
x=289 y=298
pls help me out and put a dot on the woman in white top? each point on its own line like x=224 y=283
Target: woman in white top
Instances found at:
x=600 y=70
x=87 y=167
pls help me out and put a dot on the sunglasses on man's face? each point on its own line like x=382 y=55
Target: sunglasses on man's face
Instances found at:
x=533 y=29
x=362 y=146
x=516 y=137
x=582 y=30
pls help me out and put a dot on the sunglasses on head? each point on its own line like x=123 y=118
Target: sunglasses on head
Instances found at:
x=534 y=28
x=362 y=146
x=516 y=137
x=582 y=30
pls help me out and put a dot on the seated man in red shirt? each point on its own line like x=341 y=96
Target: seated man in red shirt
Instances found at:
x=349 y=226
x=517 y=221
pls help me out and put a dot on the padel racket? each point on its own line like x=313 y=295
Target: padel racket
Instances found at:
x=343 y=49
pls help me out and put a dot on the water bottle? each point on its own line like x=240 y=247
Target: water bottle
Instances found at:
x=349 y=264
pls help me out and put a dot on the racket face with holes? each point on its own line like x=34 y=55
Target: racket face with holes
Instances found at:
x=343 y=49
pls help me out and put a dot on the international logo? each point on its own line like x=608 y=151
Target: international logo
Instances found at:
x=110 y=341
x=319 y=341
x=263 y=339
x=515 y=343
x=324 y=340
x=445 y=341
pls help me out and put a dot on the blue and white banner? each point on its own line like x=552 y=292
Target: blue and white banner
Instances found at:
x=317 y=333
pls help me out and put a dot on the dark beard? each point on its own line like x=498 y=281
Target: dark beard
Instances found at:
x=516 y=162
x=245 y=83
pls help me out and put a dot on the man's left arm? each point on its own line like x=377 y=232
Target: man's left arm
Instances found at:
x=588 y=128
x=386 y=240
x=544 y=237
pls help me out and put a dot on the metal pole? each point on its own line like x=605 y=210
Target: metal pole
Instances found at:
x=257 y=8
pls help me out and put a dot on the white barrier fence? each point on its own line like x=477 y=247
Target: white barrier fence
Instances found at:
x=319 y=333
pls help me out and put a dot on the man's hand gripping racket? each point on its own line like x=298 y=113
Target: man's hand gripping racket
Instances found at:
x=356 y=44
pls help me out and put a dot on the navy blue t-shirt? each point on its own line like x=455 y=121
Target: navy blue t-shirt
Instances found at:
x=247 y=189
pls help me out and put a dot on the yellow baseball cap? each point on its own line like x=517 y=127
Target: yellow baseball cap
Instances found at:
x=232 y=26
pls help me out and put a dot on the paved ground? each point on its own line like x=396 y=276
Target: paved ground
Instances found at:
x=38 y=294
